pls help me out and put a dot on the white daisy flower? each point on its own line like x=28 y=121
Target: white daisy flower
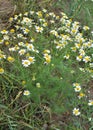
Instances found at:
x=76 y=112
x=77 y=89
x=26 y=63
x=26 y=92
x=90 y=103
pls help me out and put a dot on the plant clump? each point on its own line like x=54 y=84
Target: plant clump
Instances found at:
x=46 y=60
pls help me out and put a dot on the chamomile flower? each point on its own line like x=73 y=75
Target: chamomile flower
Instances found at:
x=2 y=56
x=90 y=103
x=30 y=47
x=77 y=88
x=12 y=31
x=74 y=31
x=4 y=32
x=31 y=12
x=10 y=59
x=31 y=59
x=5 y=37
x=46 y=51
x=27 y=21
x=26 y=63
x=26 y=93
x=16 y=47
x=42 y=20
x=37 y=51
x=7 y=43
x=45 y=24
x=15 y=17
x=17 y=27
x=76 y=84
x=44 y=10
x=76 y=112
x=55 y=33
x=77 y=45
x=20 y=35
x=79 y=58
x=81 y=52
x=81 y=95
x=26 y=14
x=22 y=52
x=60 y=46
x=1 y=70
x=73 y=49
x=81 y=40
x=82 y=69
x=21 y=44
x=85 y=28
x=39 y=29
x=32 y=40
x=47 y=58
x=86 y=59
x=10 y=19
x=39 y=13
x=26 y=31
x=67 y=56
x=12 y=49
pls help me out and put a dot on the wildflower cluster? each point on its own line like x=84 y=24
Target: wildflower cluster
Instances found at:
x=41 y=43
x=84 y=99
x=67 y=34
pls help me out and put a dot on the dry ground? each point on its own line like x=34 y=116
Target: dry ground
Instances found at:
x=6 y=10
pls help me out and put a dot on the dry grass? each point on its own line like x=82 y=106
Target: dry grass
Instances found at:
x=6 y=10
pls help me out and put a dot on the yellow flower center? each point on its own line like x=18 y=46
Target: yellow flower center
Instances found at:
x=30 y=59
x=76 y=112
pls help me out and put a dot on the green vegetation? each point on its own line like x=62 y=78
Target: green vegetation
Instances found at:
x=46 y=67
